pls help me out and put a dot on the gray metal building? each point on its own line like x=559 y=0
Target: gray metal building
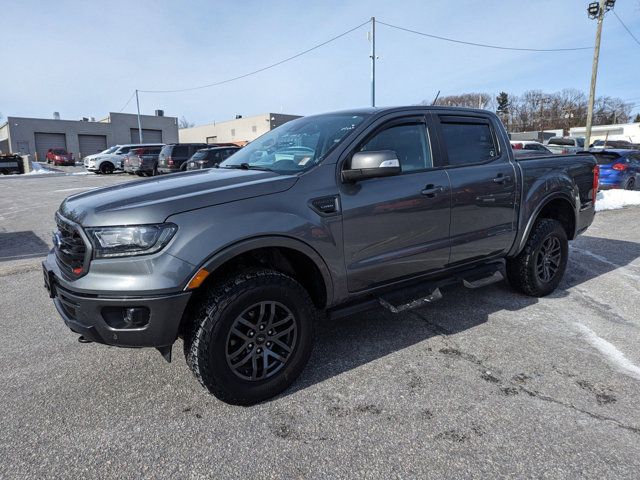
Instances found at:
x=83 y=137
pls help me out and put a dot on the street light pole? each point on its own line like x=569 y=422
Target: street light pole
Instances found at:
x=595 y=10
x=373 y=61
x=139 y=122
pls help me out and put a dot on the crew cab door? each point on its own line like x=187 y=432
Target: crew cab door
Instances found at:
x=483 y=187
x=398 y=226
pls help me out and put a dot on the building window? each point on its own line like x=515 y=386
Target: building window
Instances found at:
x=233 y=132
x=254 y=129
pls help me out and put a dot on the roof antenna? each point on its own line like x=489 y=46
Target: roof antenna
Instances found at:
x=436 y=99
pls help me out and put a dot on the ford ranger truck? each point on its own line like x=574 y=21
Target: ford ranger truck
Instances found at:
x=334 y=214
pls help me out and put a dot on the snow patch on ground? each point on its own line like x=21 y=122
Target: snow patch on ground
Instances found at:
x=610 y=352
x=37 y=169
x=614 y=199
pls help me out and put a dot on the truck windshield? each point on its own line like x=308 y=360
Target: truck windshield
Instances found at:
x=295 y=146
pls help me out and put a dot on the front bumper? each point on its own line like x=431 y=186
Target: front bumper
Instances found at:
x=88 y=314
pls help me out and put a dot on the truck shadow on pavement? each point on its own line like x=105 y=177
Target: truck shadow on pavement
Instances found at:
x=21 y=245
x=348 y=343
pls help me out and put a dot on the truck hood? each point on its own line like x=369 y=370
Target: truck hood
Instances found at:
x=153 y=200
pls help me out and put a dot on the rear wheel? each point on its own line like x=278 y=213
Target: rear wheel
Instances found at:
x=631 y=184
x=538 y=269
x=250 y=336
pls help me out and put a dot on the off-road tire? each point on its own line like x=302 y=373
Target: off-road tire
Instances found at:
x=211 y=317
x=522 y=270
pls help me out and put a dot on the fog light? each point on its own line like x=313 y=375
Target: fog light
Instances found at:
x=127 y=317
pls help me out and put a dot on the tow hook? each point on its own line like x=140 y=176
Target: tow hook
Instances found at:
x=81 y=339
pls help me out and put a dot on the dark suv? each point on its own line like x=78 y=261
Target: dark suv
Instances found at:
x=210 y=157
x=173 y=157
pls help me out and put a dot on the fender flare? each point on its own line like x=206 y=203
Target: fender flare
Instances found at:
x=521 y=240
x=227 y=253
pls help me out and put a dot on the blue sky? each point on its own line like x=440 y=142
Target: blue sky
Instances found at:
x=86 y=58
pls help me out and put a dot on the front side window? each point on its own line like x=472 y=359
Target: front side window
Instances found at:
x=468 y=143
x=410 y=142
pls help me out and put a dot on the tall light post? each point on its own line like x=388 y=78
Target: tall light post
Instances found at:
x=373 y=61
x=139 y=122
x=595 y=10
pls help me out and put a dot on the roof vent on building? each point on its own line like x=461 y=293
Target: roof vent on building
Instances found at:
x=56 y=115
x=159 y=113
x=238 y=116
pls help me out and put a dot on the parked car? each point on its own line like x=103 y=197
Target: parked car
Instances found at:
x=529 y=145
x=173 y=156
x=241 y=260
x=11 y=163
x=619 y=168
x=210 y=157
x=142 y=161
x=109 y=162
x=60 y=156
x=565 y=145
x=608 y=144
x=92 y=157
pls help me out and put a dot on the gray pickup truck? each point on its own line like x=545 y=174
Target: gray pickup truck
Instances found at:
x=333 y=213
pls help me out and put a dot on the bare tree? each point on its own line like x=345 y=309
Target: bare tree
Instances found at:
x=184 y=123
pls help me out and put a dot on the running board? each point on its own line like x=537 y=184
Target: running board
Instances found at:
x=431 y=297
x=497 y=276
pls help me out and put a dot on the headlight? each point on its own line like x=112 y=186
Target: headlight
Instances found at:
x=130 y=240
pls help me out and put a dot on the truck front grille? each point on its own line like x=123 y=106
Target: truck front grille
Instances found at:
x=70 y=248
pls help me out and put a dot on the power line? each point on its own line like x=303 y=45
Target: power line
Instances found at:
x=260 y=69
x=128 y=101
x=626 y=28
x=484 y=45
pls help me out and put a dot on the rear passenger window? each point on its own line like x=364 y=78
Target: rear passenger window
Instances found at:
x=468 y=143
x=180 y=151
x=410 y=142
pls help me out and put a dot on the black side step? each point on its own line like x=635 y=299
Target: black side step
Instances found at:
x=413 y=296
x=432 y=296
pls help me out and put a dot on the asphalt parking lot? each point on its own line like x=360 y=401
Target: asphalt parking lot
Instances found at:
x=482 y=384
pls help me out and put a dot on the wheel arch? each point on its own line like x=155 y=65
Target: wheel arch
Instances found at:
x=557 y=206
x=285 y=254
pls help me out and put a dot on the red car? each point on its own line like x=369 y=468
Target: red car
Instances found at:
x=59 y=156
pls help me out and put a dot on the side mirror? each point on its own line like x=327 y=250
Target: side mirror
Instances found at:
x=383 y=163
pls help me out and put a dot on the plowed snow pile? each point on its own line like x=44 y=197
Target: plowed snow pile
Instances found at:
x=613 y=199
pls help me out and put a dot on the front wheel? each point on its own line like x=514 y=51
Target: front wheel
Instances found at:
x=250 y=337
x=106 y=168
x=538 y=269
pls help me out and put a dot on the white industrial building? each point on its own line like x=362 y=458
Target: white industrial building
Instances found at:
x=622 y=131
x=240 y=130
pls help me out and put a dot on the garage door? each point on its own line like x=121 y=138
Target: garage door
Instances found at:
x=148 y=136
x=90 y=144
x=45 y=141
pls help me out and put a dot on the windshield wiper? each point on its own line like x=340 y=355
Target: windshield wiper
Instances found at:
x=245 y=166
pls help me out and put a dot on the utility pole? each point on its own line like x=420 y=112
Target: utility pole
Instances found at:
x=595 y=10
x=373 y=61
x=139 y=123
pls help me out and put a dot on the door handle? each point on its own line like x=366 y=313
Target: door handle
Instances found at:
x=502 y=178
x=432 y=190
